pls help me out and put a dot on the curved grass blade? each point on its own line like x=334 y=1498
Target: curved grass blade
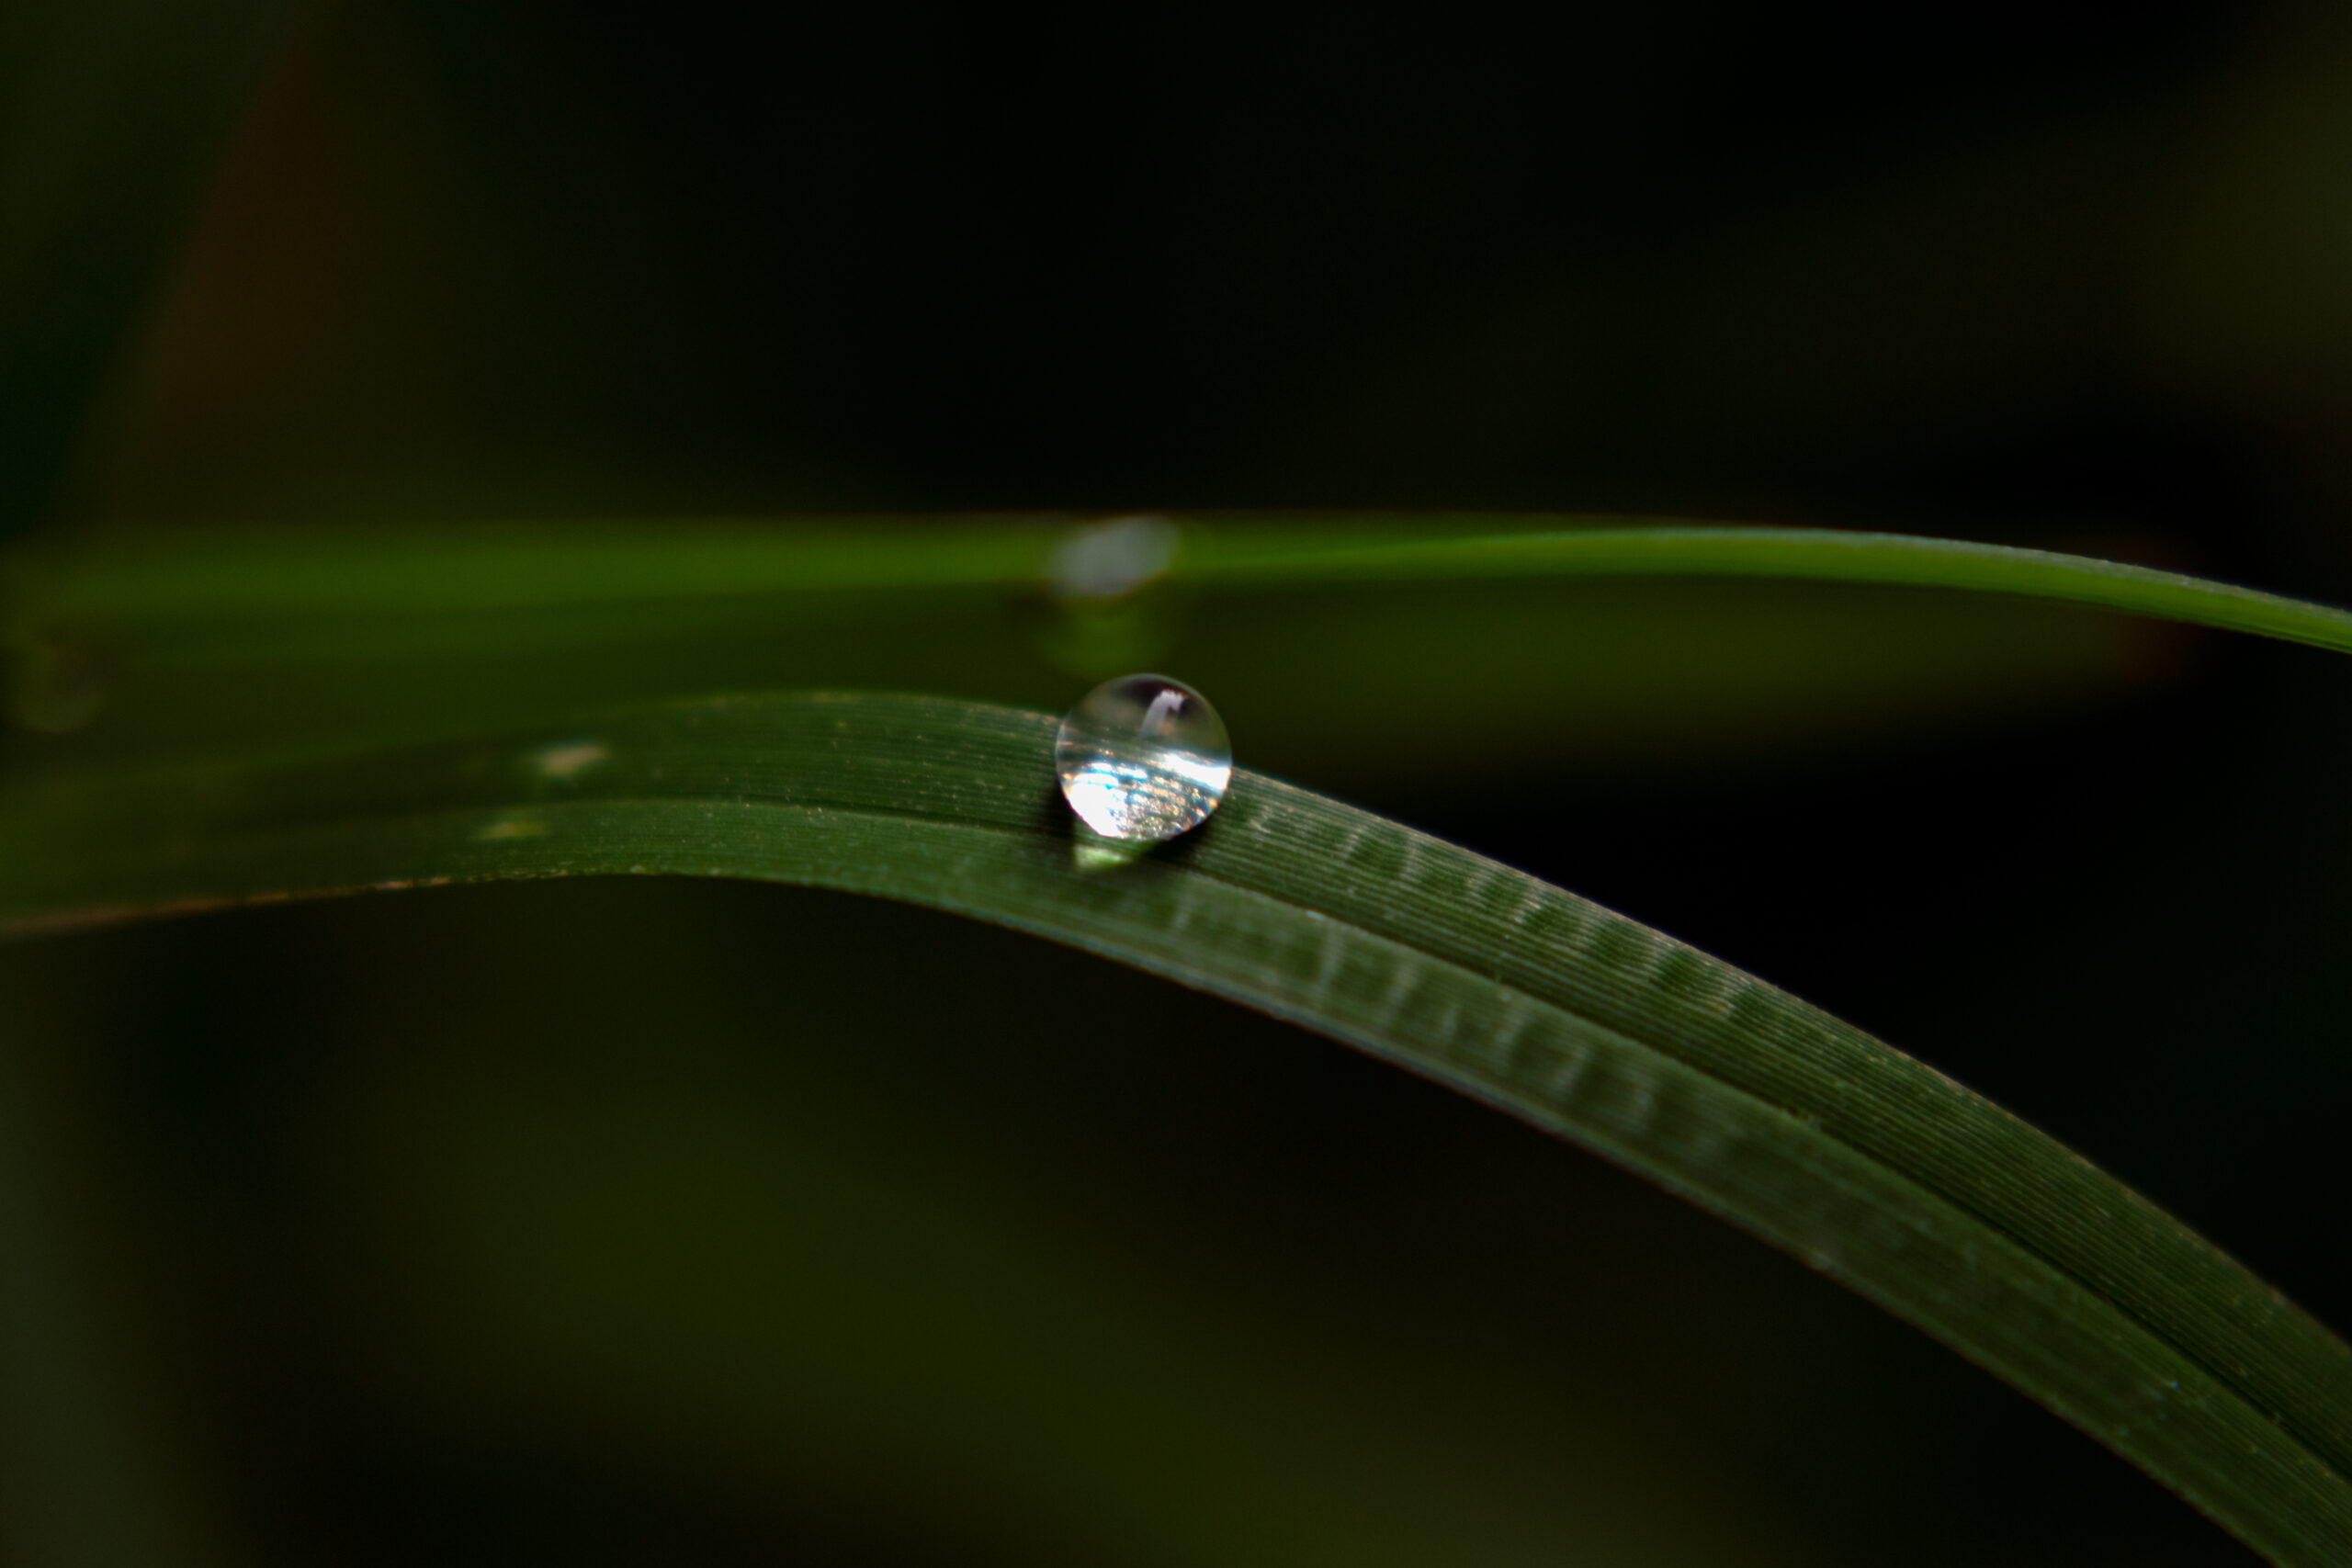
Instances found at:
x=244 y=578
x=1830 y=1144
x=1824 y=555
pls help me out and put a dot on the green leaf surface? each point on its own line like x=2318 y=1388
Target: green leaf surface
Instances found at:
x=1827 y=1143
x=1350 y=651
x=248 y=577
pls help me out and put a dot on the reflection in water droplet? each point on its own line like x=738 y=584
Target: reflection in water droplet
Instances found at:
x=1143 y=758
x=1092 y=852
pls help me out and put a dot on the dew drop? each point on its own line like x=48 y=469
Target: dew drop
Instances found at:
x=1114 y=558
x=1143 y=758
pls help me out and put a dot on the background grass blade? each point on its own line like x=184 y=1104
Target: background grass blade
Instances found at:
x=183 y=578
x=1612 y=549
x=1827 y=1143
x=1324 y=645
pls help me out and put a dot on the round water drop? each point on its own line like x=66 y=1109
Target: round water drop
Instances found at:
x=1143 y=758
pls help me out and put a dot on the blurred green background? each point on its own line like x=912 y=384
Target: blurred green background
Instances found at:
x=653 y=1222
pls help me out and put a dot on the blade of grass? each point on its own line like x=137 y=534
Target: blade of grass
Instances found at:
x=1821 y=555
x=1824 y=1140
x=216 y=643
x=243 y=578
x=1355 y=690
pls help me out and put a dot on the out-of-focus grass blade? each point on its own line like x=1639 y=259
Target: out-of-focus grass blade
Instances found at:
x=1613 y=548
x=1829 y=1144
x=253 y=579
x=1495 y=641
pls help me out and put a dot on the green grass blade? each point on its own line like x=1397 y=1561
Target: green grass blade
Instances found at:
x=1830 y=1144
x=1797 y=554
x=1326 y=642
x=242 y=576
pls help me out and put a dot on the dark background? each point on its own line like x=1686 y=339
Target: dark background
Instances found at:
x=652 y=1221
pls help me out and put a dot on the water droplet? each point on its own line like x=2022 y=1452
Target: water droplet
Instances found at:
x=1104 y=605
x=570 y=758
x=1143 y=758
x=1113 y=558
